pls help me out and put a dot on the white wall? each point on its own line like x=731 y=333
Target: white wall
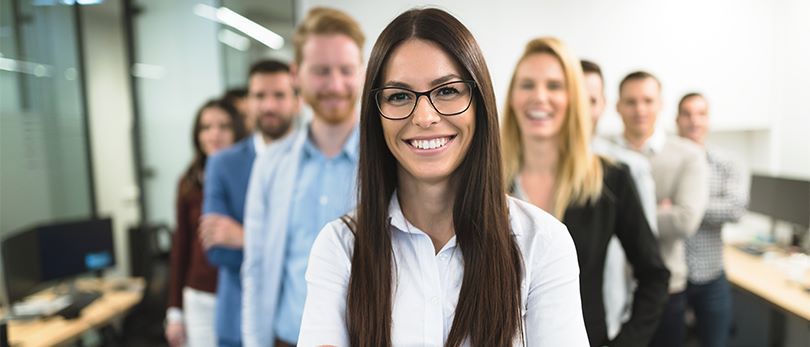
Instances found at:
x=110 y=115
x=746 y=56
x=791 y=93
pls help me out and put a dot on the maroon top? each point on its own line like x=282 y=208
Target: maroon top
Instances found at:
x=189 y=265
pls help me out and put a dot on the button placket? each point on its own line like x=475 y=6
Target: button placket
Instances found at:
x=326 y=177
x=436 y=328
x=446 y=267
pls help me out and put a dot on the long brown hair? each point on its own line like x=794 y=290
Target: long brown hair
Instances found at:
x=192 y=177
x=488 y=311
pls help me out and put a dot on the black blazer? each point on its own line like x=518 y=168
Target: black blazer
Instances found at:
x=618 y=211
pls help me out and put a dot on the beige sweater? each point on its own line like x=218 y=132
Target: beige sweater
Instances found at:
x=681 y=174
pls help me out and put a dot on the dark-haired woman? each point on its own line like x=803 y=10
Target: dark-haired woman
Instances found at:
x=192 y=280
x=436 y=254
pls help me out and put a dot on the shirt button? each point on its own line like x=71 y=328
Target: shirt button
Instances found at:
x=323 y=200
x=434 y=300
x=443 y=257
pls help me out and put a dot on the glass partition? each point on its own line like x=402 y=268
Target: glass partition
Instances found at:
x=44 y=162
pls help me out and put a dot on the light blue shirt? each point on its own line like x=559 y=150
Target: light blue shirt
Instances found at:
x=322 y=193
x=276 y=211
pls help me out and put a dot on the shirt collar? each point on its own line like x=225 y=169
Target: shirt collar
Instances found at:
x=395 y=216
x=309 y=149
x=711 y=156
x=653 y=145
x=656 y=142
x=398 y=221
x=351 y=148
x=514 y=225
x=258 y=143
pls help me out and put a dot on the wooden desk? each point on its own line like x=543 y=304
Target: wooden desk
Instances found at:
x=754 y=275
x=58 y=331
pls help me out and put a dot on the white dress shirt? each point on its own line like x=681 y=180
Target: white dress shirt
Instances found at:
x=427 y=284
x=258 y=143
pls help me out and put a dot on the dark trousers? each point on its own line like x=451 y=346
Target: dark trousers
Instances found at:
x=672 y=328
x=711 y=303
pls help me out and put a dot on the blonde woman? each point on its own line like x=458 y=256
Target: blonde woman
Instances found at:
x=546 y=137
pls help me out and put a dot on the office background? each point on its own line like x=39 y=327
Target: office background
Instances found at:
x=71 y=94
x=97 y=99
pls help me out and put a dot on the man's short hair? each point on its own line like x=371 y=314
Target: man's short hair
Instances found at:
x=688 y=96
x=268 y=66
x=235 y=93
x=324 y=21
x=591 y=67
x=636 y=76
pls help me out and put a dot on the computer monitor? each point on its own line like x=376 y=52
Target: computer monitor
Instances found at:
x=38 y=256
x=21 y=269
x=782 y=199
x=71 y=249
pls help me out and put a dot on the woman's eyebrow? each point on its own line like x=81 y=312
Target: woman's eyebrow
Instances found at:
x=444 y=79
x=435 y=82
x=397 y=84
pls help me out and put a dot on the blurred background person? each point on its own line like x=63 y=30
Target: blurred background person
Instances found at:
x=305 y=181
x=546 y=134
x=192 y=280
x=619 y=282
x=681 y=177
x=707 y=290
x=273 y=106
x=238 y=97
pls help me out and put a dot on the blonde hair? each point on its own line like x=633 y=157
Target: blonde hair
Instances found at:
x=579 y=173
x=325 y=21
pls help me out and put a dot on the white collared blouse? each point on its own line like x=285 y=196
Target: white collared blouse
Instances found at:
x=427 y=283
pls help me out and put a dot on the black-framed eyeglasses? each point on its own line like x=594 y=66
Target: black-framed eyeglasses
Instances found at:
x=449 y=99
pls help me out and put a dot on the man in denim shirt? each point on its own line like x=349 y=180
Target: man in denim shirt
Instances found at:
x=272 y=107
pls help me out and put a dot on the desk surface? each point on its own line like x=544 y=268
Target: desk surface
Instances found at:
x=57 y=331
x=765 y=280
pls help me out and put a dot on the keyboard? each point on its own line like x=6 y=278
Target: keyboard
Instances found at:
x=752 y=249
x=38 y=307
x=78 y=302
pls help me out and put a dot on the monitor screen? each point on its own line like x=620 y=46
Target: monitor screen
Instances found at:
x=54 y=252
x=781 y=198
x=21 y=266
x=70 y=249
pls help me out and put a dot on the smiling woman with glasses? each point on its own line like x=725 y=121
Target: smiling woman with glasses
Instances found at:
x=436 y=254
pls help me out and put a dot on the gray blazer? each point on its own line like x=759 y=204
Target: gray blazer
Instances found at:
x=681 y=175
